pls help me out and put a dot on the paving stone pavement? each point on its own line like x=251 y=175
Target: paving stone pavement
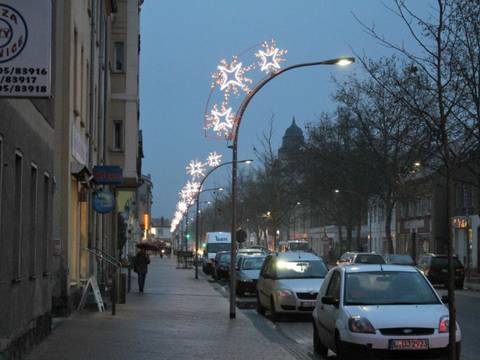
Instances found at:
x=177 y=317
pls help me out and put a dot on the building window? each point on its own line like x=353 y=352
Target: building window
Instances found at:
x=119 y=57
x=118 y=135
x=468 y=195
x=45 y=222
x=32 y=239
x=458 y=196
x=76 y=97
x=17 y=217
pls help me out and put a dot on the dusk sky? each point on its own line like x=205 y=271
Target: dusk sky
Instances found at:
x=182 y=43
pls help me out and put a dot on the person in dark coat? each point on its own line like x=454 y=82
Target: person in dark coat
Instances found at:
x=141 y=267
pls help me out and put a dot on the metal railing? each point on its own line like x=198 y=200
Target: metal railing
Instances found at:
x=116 y=264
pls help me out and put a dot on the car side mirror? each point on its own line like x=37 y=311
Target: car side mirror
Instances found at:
x=330 y=300
x=445 y=299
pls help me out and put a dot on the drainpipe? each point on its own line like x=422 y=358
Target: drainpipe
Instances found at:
x=91 y=217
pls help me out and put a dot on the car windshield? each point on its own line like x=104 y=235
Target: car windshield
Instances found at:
x=217 y=247
x=224 y=258
x=388 y=288
x=400 y=259
x=252 y=263
x=369 y=259
x=301 y=269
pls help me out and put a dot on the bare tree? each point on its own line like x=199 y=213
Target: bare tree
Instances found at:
x=437 y=101
x=394 y=135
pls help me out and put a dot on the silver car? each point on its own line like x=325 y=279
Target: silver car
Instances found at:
x=289 y=283
x=380 y=310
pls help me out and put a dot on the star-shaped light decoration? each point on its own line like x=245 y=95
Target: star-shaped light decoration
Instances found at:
x=182 y=206
x=270 y=57
x=214 y=159
x=230 y=77
x=196 y=169
x=221 y=121
x=193 y=187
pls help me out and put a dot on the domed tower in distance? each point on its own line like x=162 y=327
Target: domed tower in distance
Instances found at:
x=292 y=142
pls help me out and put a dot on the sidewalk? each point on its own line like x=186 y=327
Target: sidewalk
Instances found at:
x=177 y=317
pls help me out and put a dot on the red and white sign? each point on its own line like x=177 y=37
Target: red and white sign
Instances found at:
x=25 y=48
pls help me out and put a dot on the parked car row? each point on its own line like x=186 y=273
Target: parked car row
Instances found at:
x=366 y=304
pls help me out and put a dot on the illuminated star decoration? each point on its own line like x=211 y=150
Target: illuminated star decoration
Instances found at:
x=270 y=57
x=193 y=187
x=230 y=77
x=214 y=159
x=196 y=169
x=182 y=206
x=221 y=127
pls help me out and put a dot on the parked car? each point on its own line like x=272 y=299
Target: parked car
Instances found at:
x=435 y=268
x=221 y=265
x=247 y=272
x=360 y=258
x=251 y=251
x=399 y=259
x=288 y=283
x=380 y=310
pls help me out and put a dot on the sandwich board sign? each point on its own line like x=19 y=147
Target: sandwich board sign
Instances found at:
x=92 y=284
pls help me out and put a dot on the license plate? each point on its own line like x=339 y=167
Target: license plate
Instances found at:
x=408 y=344
x=307 y=304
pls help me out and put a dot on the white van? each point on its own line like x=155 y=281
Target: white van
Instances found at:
x=215 y=242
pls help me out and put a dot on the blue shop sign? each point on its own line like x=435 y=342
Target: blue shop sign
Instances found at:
x=108 y=175
x=103 y=201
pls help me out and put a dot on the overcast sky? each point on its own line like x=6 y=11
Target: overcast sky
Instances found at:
x=182 y=43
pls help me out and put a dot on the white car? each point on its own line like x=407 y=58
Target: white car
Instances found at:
x=380 y=310
x=288 y=283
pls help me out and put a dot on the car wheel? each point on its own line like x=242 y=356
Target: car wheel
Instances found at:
x=260 y=308
x=318 y=347
x=341 y=353
x=273 y=312
x=239 y=290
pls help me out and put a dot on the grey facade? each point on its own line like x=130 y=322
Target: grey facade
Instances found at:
x=26 y=189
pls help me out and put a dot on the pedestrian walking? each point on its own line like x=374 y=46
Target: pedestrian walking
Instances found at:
x=141 y=267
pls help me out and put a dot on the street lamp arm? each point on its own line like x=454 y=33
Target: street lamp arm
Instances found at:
x=197 y=204
x=262 y=83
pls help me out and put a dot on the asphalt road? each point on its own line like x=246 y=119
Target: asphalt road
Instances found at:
x=297 y=330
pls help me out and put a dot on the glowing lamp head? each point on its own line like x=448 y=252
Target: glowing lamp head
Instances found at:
x=345 y=61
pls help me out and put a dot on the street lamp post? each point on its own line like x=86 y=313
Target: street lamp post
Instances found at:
x=197 y=204
x=234 y=147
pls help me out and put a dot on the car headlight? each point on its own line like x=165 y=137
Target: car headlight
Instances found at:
x=284 y=293
x=358 y=324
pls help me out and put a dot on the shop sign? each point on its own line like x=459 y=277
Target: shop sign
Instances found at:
x=25 y=48
x=108 y=175
x=103 y=201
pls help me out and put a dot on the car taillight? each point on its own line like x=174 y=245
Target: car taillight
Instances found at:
x=443 y=324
